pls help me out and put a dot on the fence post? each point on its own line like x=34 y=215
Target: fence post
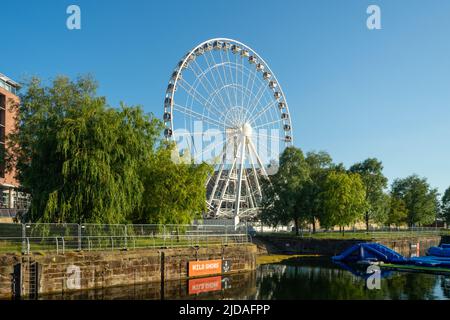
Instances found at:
x=57 y=246
x=126 y=237
x=63 y=245
x=79 y=237
x=226 y=235
x=23 y=238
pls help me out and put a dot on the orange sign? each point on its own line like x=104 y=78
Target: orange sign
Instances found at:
x=205 y=267
x=205 y=285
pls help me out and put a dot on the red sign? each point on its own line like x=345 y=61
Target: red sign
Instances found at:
x=204 y=268
x=205 y=285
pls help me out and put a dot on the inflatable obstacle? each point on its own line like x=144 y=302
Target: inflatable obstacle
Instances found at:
x=370 y=252
x=437 y=259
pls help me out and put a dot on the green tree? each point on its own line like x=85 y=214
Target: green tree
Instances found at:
x=175 y=191
x=420 y=199
x=319 y=163
x=344 y=200
x=371 y=172
x=283 y=199
x=398 y=213
x=79 y=158
x=84 y=161
x=445 y=205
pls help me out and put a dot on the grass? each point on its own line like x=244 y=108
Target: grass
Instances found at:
x=401 y=267
x=275 y=258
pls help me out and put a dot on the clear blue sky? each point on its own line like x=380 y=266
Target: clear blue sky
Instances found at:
x=353 y=92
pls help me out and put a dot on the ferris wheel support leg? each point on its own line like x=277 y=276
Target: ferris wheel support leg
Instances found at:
x=225 y=186
x=216 y=183
x=241 y=171
x=252 y=147
x=255 y=174
x=247 y=187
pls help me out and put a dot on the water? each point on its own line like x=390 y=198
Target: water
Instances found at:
x=294 y=279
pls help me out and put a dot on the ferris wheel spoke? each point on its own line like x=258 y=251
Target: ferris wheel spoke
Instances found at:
x=258 y=97
x=226 y=66
x=223 y=64
x=197 y=115
x=269 y=136
x=264 y=109
x=216 y=68
x=201 y=77
x=233 y=80
x=253 y=78
x=197 y=97
x=242 y=81
x=211 y=69
x=212 y=147
x=267 y=124
x=204 y=74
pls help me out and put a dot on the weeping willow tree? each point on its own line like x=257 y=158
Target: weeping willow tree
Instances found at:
x=83 y=161
x=175 y=190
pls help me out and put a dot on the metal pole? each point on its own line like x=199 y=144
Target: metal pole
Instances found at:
x=79 y=237
x=126 y=237
x=23 y=238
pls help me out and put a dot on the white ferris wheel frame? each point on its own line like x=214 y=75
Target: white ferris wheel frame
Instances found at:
x=181 y=66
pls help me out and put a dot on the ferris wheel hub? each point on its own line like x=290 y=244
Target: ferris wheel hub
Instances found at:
x=246 y=130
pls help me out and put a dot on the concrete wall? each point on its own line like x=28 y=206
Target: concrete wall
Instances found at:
x=52 y=273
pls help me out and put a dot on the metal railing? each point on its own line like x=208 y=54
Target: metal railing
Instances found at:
x=27 y=238
x=373 y=231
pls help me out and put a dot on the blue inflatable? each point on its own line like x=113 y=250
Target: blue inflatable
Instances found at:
x=370 y=251
x=437 y=257
x=442 y=251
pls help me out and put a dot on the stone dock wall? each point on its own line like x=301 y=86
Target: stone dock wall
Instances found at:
x=330 y=247
x=37 y=274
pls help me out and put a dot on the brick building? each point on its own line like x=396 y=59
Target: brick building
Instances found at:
x=12 y=199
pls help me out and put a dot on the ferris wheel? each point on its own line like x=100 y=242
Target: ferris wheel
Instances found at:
x=224 y=105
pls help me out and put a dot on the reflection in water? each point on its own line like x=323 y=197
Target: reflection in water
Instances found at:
x=290 y=280
x=327 y=281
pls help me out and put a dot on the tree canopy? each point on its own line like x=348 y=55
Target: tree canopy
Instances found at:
x=282 y=196
x=420 y=199
x=319 y=164
x=371 y=172
x=344 y=199
x=398 y=213
x=84 y=161
x=446 y=205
